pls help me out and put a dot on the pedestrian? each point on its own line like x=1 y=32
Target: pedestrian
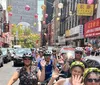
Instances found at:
x=28 y=74
x=76 y=68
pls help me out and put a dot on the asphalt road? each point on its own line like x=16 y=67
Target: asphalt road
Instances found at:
x=6 y=72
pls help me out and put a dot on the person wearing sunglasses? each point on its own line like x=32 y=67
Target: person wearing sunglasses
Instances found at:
x=76 y=68
x=28 y=74
x=78 y=55
x=92 y=76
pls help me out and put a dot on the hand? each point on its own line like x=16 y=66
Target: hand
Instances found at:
x=76 y=80
x=55 y=73
x=43 y=63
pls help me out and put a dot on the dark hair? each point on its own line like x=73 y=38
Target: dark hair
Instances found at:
x=78 y=66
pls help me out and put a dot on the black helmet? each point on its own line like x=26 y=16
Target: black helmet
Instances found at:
x=32 y=49
x=26 y=55
x=47 y=53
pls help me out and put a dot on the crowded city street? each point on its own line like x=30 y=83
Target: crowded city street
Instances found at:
x=49 y=42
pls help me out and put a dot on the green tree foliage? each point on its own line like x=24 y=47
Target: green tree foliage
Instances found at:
x=25 y=36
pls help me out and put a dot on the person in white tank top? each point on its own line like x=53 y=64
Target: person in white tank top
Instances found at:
x=77 y=69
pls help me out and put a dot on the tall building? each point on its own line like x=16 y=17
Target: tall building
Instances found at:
x=20 y=14
x=46 y=28
x=71 y=30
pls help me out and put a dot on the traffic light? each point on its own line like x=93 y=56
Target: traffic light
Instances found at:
x=6 y=27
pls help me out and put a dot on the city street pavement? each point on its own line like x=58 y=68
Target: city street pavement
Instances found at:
x=6 y=72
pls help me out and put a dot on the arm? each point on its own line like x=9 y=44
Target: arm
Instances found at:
x=51 y=81
x=41 y=73
x=54 y=76
x=54 y=63
x=13 y=78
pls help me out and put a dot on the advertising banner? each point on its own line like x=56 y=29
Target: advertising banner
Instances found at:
x=85 y=9
x=92 y=28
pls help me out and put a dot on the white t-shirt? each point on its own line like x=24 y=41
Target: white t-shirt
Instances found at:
x=67 y=82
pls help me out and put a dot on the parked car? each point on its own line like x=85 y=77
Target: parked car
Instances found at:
x=92 y=61
x=12 y=52
x=5 y=55
x=18 y=56
x=1 y=61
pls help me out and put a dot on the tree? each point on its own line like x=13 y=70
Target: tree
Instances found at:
x=25 y=36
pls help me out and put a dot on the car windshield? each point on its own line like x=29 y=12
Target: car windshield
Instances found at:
x=22 y=50
x=4 y=51
x=11 y=50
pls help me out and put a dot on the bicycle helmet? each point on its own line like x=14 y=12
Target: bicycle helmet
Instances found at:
x=32 y=49
x=54 y=50
x=79 y=49
x=26 y=55
x=77 y=63
x=89 y=70
x=47 y=53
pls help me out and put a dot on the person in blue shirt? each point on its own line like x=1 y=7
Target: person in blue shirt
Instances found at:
x=49 y=65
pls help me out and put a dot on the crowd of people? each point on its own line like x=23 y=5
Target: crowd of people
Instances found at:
x=44 y=67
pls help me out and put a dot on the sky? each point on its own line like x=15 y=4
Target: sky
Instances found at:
x=40 y=3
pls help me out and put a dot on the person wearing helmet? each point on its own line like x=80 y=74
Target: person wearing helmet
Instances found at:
x=63 y=66
x=49 y=65
x=28 y=74
x=91 y=76
x=76 y=68
x=78 y=53
x=33 y=54
x=53 y=53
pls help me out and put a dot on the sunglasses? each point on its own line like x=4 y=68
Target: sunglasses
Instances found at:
x=26 y=58
x=91 y=80
x=78 y=52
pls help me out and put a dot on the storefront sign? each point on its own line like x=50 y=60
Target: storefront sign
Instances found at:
x=77 y=30
x=92 y=28
x=67 y=33
x=61 y=40
x=85 y=9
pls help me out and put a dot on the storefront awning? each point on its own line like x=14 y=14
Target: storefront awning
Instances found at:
x=73 y=38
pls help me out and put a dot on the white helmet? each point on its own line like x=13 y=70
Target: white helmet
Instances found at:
x=79 y=49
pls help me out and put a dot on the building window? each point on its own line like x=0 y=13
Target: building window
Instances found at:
x=75 y=20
